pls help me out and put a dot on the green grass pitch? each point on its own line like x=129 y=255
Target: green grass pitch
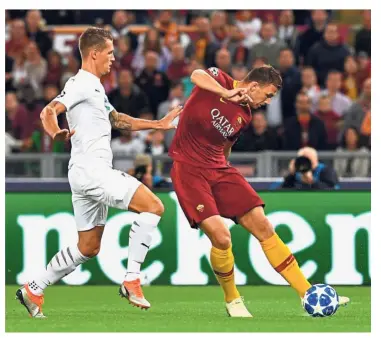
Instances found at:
x=183 y=309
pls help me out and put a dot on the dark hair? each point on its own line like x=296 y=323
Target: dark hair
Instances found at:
x=286 y=49
x=50 y=85
x=302 y=93
x=264 y=75
x=308 y=68
x=259 y=112
x=343 y=141
x=126 y=39
x=126 y=70
x=93 y=37
x=261 y=58
x=331 y=23
x=269 y=23
x=157 y=47
x=239 y=66
x=334 y=72
x=175 y=84
x=315 y=10
x=53 y=52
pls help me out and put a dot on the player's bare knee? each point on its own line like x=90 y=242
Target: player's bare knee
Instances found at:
x=222 y=240
x=89 y=248
x=90 y=251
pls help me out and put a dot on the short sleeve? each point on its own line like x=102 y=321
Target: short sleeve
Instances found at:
x=71 y=95
x=109 y=107
x=242 y=130
x=217 y=74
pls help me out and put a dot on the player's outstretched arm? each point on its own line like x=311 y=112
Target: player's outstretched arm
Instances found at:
x=50 y=123
x=203 y=80
x=126 y=122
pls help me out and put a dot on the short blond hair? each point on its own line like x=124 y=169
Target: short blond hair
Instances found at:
x=310 y=153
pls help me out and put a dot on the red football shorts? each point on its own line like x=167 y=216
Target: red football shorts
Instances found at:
x=203 y=192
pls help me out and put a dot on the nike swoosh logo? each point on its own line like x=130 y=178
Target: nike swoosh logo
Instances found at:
x=222 y=100
x=97 y=90
x=289 y=260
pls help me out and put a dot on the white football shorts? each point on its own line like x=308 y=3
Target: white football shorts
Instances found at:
x=94 y=188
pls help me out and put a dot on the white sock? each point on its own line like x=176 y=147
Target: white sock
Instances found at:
x=139 y=243
x=62 y=263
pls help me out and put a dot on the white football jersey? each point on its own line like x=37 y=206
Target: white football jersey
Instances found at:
x=87 y=112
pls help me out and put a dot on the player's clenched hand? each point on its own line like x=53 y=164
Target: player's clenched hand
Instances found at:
x=166 y=122
x=237 y=95
x=63 y=135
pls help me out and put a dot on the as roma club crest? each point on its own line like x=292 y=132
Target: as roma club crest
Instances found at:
x=200 y=208
x=238 y=122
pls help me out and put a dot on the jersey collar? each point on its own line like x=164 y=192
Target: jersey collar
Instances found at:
x=89 y=75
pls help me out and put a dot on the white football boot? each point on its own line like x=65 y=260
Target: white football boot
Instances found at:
x=237 y=308
x=133 y=292
x=343 y=301
x=31 y=302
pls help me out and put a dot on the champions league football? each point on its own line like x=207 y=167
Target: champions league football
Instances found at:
x=321 y=300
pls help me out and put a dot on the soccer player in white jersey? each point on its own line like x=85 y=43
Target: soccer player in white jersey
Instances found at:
x=94 y=183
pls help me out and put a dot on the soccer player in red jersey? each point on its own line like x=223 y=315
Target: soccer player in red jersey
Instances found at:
x=208 y=188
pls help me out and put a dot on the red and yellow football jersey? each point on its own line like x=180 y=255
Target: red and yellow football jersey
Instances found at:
x=207 y=123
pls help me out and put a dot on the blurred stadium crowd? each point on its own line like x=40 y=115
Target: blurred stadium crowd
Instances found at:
x=324 y=58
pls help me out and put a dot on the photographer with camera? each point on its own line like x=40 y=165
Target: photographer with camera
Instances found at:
x=306 y=172
x=142 y=171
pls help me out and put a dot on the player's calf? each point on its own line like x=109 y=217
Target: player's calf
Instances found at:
x=150 y=209
x=62 y=264
x=277 y=253
x=221 y=255
x=31 y=295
